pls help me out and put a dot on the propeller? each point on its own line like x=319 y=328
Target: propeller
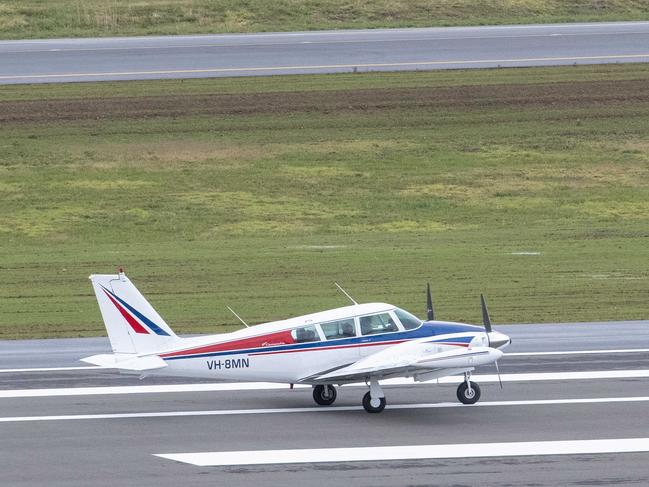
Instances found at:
x=500 y=381
x=485 y=314
x=486 y=321
x=429 y=304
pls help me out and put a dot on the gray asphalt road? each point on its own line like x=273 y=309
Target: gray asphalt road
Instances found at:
x=38 y=61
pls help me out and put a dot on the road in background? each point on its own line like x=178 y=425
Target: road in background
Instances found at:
x=203 y=56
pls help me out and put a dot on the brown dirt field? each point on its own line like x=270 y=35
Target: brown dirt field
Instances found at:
x=546 y=95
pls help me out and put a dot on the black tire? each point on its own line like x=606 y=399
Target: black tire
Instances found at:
x=367 y=404
x=463 y=393
x=324 y=395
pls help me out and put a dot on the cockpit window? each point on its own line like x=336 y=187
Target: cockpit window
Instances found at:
x=339 y=329
x=381 y=323
x=408 y=320
x=305 y=334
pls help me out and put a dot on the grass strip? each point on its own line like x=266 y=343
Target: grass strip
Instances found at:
x=530 y=185
x=23 y=19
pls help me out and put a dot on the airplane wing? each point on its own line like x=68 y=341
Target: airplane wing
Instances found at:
x=423 y=359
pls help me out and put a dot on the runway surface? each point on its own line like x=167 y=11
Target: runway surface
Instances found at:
x=565 y=391
x=62 y=60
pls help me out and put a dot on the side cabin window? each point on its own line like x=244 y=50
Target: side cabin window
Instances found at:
x=339 y=329
x=381 y=323
x=305 y=334
x=408 y=320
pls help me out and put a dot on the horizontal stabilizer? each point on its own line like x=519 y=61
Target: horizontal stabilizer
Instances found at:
x=124 y=362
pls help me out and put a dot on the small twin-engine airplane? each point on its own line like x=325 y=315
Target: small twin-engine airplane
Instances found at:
x=362 y=342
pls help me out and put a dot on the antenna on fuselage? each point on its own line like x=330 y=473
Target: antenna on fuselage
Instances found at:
x=345 y=293
x=238 y=317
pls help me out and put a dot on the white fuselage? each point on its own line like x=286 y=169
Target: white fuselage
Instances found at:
x=271 y=353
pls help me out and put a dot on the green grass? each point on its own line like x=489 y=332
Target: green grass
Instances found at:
x=73 y=18
x=378 y=181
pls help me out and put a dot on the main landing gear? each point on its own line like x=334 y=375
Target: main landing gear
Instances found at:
x=468 y=392
x=324 y=395
x=373 y=405
x=373 y=400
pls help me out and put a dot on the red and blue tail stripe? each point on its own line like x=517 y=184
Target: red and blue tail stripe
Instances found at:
x=144 y=326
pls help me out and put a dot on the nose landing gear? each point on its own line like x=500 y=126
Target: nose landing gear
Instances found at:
x=468 y=392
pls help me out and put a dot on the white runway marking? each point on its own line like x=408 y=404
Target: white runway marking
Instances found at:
x=51 y=369
x=262 y=69
x=316 y=409
x=577 y=352
x=246 y=386
x=413 y=452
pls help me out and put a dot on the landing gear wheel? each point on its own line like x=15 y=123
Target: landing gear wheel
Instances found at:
x=367 y=404
x=467 y=396
x=324 y=395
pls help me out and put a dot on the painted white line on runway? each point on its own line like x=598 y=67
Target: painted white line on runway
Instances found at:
x=259 y=69
x=247 y=386
x=411 y=452
x=318 y=409
x=577 y=352
x=52 y=369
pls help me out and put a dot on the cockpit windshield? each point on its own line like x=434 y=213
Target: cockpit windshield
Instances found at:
x=408 y=320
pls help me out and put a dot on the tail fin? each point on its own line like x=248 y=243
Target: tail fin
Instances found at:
x=133 y=325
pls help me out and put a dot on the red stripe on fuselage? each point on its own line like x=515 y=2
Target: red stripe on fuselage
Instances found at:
x=131 y=321
x=272 y=340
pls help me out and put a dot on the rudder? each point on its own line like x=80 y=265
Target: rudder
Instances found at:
x=132 y=324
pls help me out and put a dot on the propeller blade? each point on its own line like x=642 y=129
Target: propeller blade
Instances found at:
x=498 y=372
x=429 y=303
x=485 y=315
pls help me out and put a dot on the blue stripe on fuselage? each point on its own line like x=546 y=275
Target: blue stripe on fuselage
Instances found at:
x=428 y=329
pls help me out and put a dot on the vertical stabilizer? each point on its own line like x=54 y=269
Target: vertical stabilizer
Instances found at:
x=133 y=325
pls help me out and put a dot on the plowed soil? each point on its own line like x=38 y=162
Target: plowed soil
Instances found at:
x=548 y=95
